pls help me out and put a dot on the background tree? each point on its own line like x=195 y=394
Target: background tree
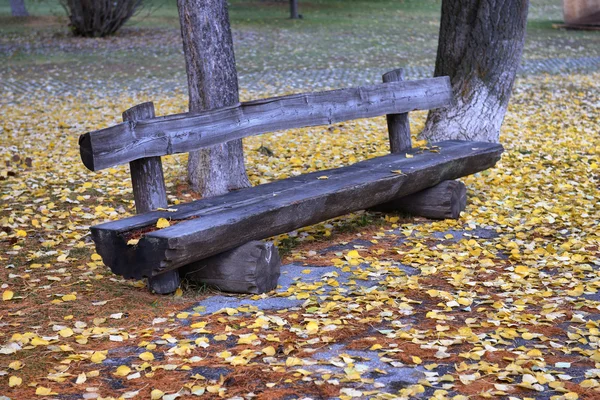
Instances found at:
x=18 y=9
x=480 y=47
x=99 y=18
x=212 y=83
x=294 y=9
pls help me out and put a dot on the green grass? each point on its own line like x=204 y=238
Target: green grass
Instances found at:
x=333 y=34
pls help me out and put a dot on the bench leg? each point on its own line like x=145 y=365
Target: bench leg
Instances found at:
x=251 y=268
x=443 y=201
x=150 y=193
x=164 y=283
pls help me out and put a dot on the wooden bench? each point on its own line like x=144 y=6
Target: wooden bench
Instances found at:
x=207 y=227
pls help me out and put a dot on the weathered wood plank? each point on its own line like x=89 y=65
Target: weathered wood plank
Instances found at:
x=445 y=200
x=182 y=133
x=228 y=221
x=149 y=192
x=252 y=268
x=398 y=124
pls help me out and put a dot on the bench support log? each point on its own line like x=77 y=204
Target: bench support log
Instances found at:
x=150 y=193
x=251 y=268
x=398 y=124
x=443 y=201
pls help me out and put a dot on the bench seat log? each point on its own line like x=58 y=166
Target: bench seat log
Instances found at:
x=210 y=226
x=182 y=133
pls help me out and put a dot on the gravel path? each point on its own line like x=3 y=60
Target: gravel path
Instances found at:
x=273 y=81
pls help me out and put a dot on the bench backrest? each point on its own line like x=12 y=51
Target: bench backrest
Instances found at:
x=182 y=133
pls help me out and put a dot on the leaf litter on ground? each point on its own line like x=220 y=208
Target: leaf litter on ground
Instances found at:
x=512 y=312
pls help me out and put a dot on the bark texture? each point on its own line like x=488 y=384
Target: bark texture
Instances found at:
x=212 y=83
x=480 y=47
x=18 y=9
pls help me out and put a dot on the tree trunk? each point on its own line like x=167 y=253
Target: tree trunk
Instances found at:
x=480 y=47
x=294 y=9
x=18 y=9
x=212 y=83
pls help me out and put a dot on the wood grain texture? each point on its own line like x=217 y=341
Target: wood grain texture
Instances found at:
x=398 y=124
x=149 y=192
x=225 y=222
x=252 y=268
x=445 y=200
x=182 y=133
x=147 y=177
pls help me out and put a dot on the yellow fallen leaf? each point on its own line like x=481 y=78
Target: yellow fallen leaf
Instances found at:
x=196 y=325
x=162 y=223
x=534 y=353
x=416 y=360
x=146 y=356
x=178 y=293
x=323 y=177
x=36 y=341
x=527 y=336
x=589 y=383
x=67 y=332
x=21 y=233
x=132 y=242
x=7 y=295
x=293 y=361
x=69 y=297
x=353 y=254
x=98 y=356
x=213 y=388
x=156 y=394
x=409 y=155
x=81 y=378
x=14 y=381
x=16 y=365
x=352 y=374
x=312 y=327
x=247 y=339
x=44 y=391
x=522 y=270
x=269 y=350
x=122 y=370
